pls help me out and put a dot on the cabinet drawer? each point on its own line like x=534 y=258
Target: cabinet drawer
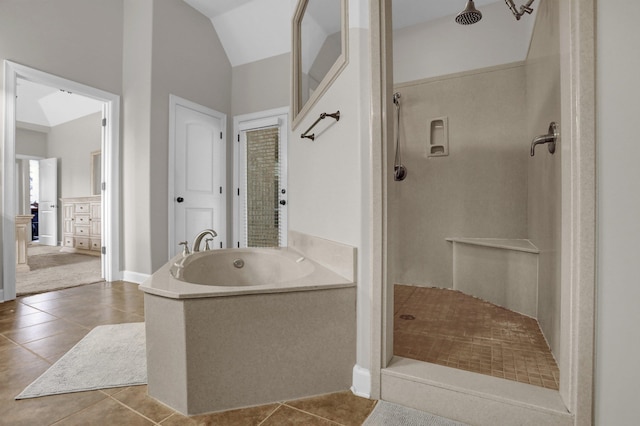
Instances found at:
x=96 y=245
x=81 y=208
x=82 y=219
x=81 y=231
x=82 y=243
x=67 y=241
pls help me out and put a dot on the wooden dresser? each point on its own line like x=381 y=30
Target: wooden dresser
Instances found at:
x=82 y=225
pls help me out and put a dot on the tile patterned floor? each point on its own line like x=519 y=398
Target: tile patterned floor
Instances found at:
x=450 y=328
x=35 y=331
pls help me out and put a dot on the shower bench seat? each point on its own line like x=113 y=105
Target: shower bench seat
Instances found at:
x=499 y=270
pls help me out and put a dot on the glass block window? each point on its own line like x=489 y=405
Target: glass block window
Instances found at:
x=262 y=187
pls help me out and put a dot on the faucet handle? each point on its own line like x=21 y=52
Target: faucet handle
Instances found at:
x=185 y=250
x=206 y=243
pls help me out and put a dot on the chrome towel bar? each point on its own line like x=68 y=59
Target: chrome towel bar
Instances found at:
x=324 y=115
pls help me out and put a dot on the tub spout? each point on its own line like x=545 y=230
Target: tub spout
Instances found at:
x=200 y=236
x=549 y=138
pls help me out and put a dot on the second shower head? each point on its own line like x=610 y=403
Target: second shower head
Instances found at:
x=470 y=15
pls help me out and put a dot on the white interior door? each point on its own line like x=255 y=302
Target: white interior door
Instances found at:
x=199 y=175
x=48 y=202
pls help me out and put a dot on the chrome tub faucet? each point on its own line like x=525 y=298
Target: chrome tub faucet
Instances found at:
x=196 y=243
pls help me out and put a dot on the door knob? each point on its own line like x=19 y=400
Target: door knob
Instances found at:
x=283 y=202
x=179 y=199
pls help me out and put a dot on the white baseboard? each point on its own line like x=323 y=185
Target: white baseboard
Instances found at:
x=134 y=277
x=361 y=382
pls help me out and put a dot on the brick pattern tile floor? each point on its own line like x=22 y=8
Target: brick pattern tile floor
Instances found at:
x=450 y=328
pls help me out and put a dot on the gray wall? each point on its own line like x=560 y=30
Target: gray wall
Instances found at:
x=76 y=39
x=478 y=190
x=188 y=61
x=170 y=49
x=262 y=85
x=544 y=169
x=31 y=142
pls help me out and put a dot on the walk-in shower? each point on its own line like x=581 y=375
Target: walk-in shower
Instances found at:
x=399 y=170
x=473 y=211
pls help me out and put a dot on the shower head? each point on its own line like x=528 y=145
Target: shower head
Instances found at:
x=396 y=98
x=525 y=8
x=470 y=15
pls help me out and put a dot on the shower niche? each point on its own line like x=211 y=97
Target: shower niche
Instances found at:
x=438 y=137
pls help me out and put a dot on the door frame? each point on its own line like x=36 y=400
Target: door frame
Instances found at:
x=110 y=170
x=175 y=101
x=276 y=117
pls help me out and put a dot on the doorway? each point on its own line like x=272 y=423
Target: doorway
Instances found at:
x=260 y=179
x=110 y=106
x=465 y=396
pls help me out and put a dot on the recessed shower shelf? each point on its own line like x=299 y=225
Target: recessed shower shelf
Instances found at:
x=500 y=243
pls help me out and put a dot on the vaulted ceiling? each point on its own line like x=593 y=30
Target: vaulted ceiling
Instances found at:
x=251 y=30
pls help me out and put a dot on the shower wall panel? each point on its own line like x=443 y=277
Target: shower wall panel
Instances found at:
x=478 y=190
x=544 y=200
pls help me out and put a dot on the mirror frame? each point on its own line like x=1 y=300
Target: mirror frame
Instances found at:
x=299 y=110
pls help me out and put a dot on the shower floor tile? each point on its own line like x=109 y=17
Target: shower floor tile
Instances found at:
x=450 y=328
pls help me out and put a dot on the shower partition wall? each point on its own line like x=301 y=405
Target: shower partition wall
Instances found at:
x=478 y=190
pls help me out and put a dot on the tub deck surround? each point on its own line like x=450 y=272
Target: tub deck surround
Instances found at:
x=340 y=258
x=217 y=347
x=278 y=269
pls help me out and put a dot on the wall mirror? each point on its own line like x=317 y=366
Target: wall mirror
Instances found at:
x=96 y=172
x=320 y=30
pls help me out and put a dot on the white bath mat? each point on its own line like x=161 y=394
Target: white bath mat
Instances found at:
x=109 y=356
x=387 y=414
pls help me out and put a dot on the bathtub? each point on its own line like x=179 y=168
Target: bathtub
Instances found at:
x=240 y=327
x=218 y=273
